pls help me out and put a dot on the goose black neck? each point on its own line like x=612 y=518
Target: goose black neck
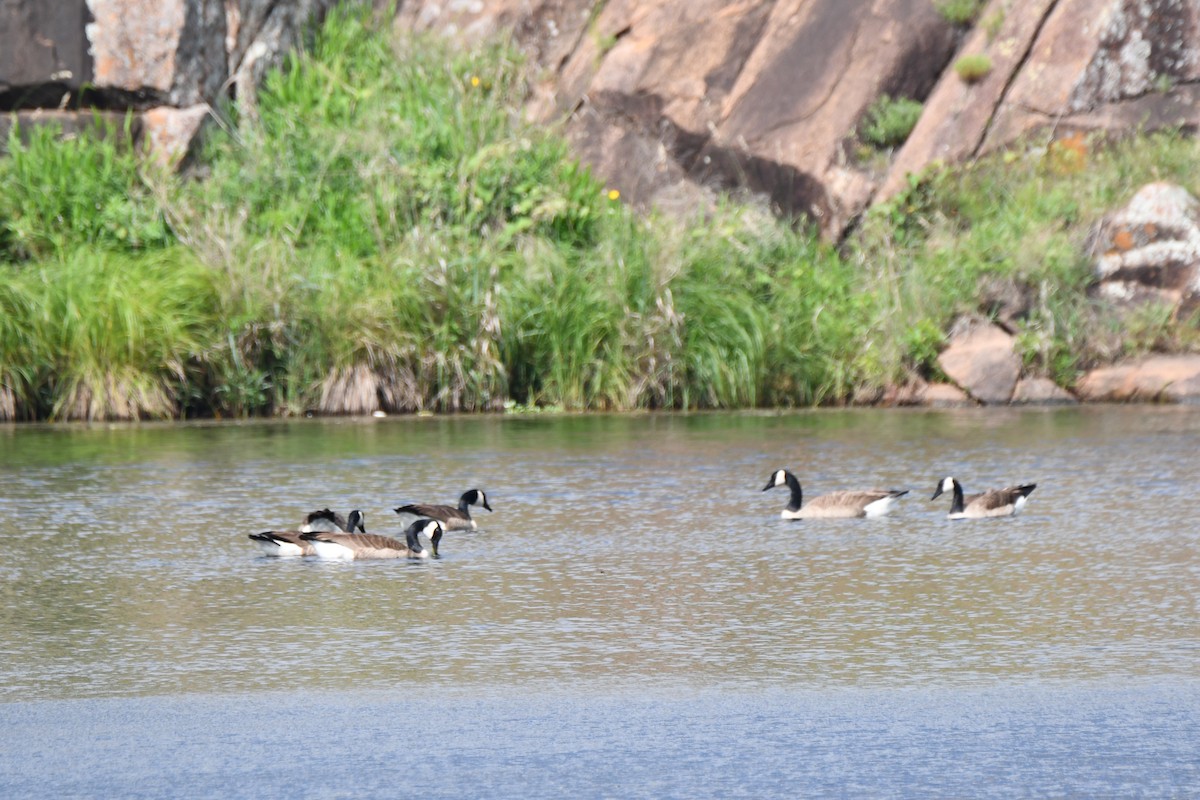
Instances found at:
x=957 y=506
x=793 y=484
x=410 y=536
x=464 y=505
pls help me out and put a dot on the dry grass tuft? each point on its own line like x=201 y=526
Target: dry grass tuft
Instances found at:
x=350 y=390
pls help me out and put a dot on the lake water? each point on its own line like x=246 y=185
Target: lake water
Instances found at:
x=633 y=620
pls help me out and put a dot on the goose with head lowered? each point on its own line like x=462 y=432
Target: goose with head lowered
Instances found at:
x=290 y=543
x=1006 y=502
x=452 y=518
x=355 y=546
x=326 y=520
x=835 y=505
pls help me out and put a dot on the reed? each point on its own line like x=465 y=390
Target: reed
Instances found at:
x=109 y=336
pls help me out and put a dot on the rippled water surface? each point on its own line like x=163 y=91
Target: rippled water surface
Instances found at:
x=632 y=578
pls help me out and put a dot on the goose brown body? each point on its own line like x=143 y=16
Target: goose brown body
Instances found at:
x=292 y=543
x=452 y=518
x=845 y=504
x=355 y=546
x=1006 y=502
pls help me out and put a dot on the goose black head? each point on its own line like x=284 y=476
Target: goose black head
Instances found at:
x=778 y=478
x=432 y=530
x=476 y=497
x=356 y=522
x=947 y=485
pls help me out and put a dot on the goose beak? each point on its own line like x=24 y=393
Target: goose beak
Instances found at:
x=937 y=493
x=485 y=505
x=437 y=537
x=770 y=485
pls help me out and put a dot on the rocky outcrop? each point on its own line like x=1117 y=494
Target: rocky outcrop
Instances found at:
x=981 y=359
x=672 y=100
x=157 y=52
x=1106 y=64
x=1150 y=250
x=669 y=100
x=168 y=60
x=1173 y=379
x=1068 y=67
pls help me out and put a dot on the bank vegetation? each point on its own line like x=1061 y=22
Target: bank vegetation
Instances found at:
x=383 y=232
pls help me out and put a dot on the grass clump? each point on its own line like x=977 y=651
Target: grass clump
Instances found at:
x=890 y=120
x=973 y=68
x=959 y=12
x=62 y=192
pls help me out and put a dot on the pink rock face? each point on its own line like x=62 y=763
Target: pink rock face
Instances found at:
x=134 y=44
x=982 y=362
x=712 y=94
x=671 y=99
x=957 y=114
x=1098 y=65
x=1162 y=378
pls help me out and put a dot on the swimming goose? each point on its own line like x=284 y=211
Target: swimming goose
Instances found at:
x=289 y=543
x=1005 y=502
x=351 y=546
x=452 y=519
x=864 y=503
x=326 y=520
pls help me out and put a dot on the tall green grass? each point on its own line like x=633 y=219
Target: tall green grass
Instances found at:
x=381 y=231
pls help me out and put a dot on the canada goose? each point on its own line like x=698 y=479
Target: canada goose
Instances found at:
x=452 y=519
x=331 y=521
x=865 y=503
x=289 y=543
x=1005 y=502
x=351 y=546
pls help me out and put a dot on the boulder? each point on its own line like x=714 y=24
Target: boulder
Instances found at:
x=1041 y=391
x=944 y=395
x=169 y=134
x=981 y=360
x=1161 y=378
x=916 y=392
x=1150 y=249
